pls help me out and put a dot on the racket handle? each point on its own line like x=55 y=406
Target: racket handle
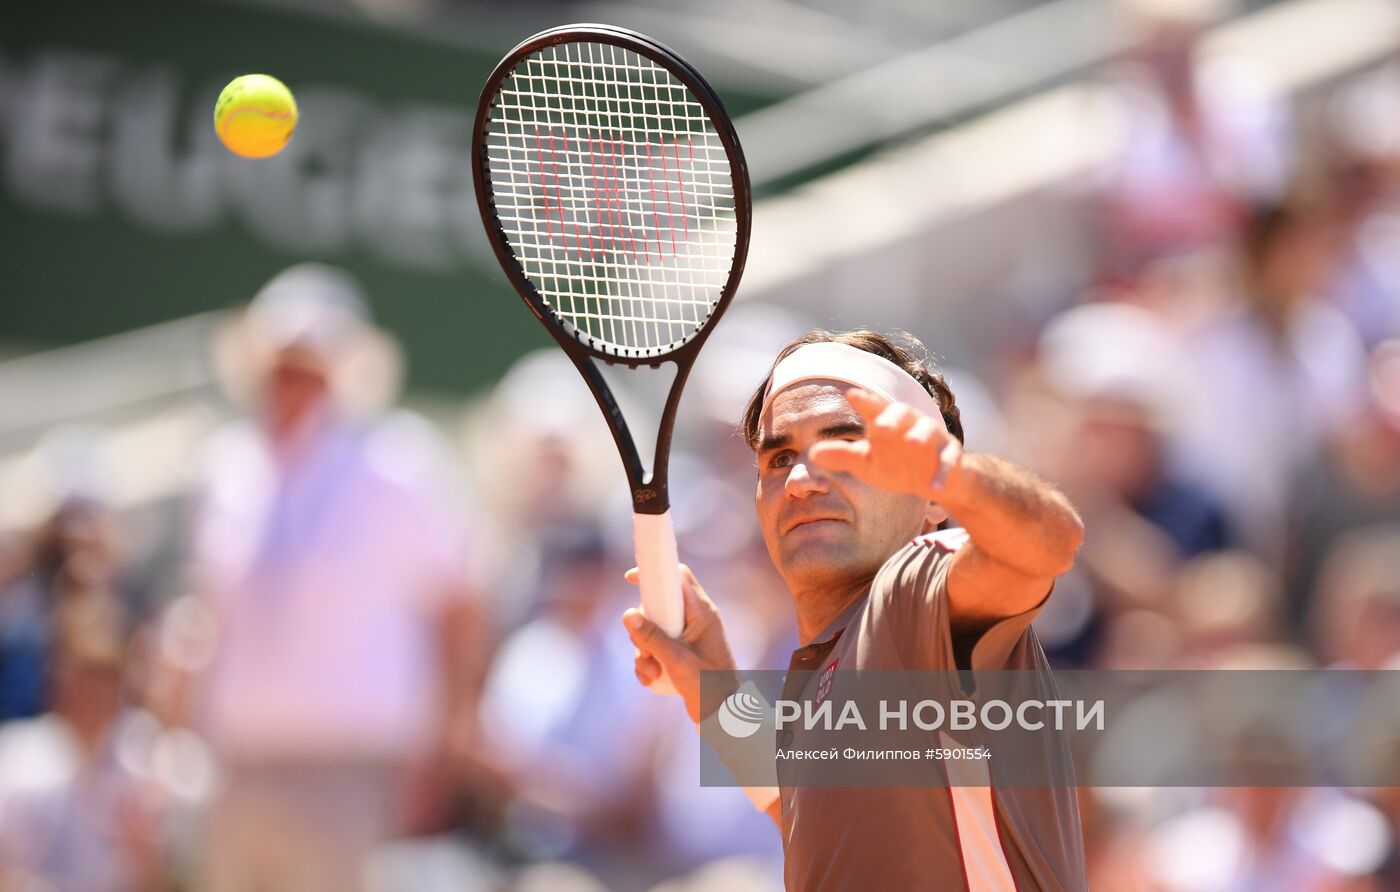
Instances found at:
x=658 y=566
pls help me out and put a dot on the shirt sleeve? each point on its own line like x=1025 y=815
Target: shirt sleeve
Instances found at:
x=912 y=591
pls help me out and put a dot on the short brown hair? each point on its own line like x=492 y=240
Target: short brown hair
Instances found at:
x=900 y=348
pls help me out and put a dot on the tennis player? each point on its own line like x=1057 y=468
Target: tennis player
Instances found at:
x=858 y=445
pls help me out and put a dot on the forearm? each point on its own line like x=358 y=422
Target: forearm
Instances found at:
x=1013 y=517
x=462 y=663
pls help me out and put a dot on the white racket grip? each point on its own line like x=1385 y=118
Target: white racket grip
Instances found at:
x=659 y=569
x=659 y=566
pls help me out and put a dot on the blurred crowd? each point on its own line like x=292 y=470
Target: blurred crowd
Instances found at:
x=389 y=654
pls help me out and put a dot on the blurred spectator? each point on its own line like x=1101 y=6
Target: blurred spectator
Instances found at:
x=1364 y=187
x=1115 y=379
x=1270 y=839
x=1357 y=614
x=1258 y=838
x=1279 y=372
x=1358 y=487
x=70 y=555
x=334 y=559
x=1199 y=142
x=547 y=464
x=1226 y=601
x=74 y=815
x=576 y=744
x=1387 y=799
x=1121 y=379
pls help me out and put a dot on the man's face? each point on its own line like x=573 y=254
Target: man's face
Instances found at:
x=824 y=529
x=296 y=386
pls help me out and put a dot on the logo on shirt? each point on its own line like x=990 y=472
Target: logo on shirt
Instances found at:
x=824 y=682
x=741 y=714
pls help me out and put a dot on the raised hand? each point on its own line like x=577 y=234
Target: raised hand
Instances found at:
x=904 y=450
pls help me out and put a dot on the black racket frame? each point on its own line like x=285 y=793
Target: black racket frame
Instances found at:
x=650 y=491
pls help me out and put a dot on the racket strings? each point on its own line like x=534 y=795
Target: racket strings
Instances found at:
x=614 y=192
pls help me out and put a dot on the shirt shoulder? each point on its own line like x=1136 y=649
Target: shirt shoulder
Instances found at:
x=911 y=595
x=229 y=451
x=908 y=607
x=915 y=566
x=234 y=474
x=407 y=452
x=949 y=540
x=417 y=483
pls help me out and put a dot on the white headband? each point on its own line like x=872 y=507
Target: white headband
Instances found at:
x=831 y=361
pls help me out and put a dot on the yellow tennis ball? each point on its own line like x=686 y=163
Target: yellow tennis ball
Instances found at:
x=255 y=115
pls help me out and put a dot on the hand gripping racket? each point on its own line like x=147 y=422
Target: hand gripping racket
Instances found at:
x=617 y=200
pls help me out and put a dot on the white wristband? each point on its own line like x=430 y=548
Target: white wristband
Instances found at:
x=761 y=797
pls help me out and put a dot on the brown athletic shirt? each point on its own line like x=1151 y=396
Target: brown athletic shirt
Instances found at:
x=954 y=838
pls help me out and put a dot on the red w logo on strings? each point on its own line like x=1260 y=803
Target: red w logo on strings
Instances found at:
x=601 y=197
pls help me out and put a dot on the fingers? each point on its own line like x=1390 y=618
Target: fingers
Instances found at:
x=867 y=405
x=949 y=462
x=696 y=601
x=691 y=590
x=634 y=576
x=647 y=668
x=698 y=610
x=895 y=420
x=692 y=596
x=648 y=637
x=841 y=455
x=926 y=431
x=881 y=414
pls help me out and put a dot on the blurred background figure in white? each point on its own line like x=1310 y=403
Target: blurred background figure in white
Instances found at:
x=335 y=562
x=70 y=553
x=76 y=811
x=1116 y=380
x=1200 y=141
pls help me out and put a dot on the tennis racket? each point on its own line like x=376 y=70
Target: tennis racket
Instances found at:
x=615 y=194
